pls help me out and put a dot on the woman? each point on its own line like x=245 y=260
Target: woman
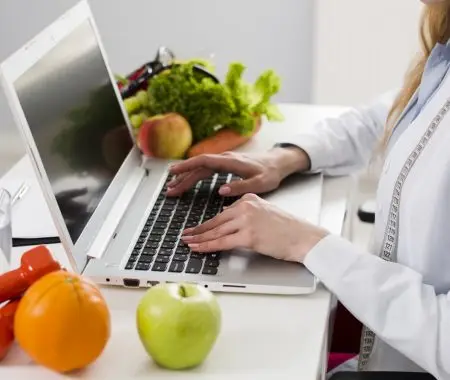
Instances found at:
x=401 y=293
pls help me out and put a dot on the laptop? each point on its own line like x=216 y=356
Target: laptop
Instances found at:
x=106 y=199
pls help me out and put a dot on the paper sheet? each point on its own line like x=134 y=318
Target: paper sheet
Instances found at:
x=30 y=215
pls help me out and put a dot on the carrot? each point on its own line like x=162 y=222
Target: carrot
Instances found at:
x=224 y=140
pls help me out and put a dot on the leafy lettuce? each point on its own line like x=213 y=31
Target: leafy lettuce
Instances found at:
x=208 y=105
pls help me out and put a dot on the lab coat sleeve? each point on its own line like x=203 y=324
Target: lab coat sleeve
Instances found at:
x=390 y=299
x=341 y=145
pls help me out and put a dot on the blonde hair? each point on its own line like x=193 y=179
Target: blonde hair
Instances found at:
x=434 y=28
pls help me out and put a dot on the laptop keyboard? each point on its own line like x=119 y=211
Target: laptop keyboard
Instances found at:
x=159 y=247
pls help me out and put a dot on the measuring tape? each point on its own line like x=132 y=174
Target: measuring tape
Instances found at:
x=389 y=247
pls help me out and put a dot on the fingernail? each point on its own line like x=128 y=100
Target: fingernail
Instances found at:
x=224 y=190
x=187 y=238
x=187 y=231
x=193 y=246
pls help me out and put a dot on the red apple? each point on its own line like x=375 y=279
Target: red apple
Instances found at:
x=166 y=136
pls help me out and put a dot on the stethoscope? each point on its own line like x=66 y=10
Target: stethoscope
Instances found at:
x=163 y=61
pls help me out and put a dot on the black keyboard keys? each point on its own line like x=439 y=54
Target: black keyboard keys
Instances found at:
x=168 y=245
x=145 y=259
x=176 y=267
x=162 y=259
x=159 y=226
x=194 y=266
x=143 y=266
x=153 y=237
x=152 y=244
x=149 y=251
x=159 y=267
x=183 y=250
x=212 y=263
x=163 y=219
x=165 y=252
x=180 y=257
x=209 y=270
x=171 y=238
x=165 y=212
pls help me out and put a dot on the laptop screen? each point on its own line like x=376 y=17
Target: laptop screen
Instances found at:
x=77 y=124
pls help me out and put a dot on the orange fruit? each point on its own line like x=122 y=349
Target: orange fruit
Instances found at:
x=62 y=322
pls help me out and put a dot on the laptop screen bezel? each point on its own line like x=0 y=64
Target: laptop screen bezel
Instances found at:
x=12 y=69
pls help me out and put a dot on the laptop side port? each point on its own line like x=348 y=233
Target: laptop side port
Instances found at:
x=152 y=283
x=131 y=282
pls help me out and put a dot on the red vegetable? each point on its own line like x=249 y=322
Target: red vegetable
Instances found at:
x=35 y=263
x=7 y=313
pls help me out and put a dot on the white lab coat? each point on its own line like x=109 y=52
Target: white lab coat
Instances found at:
x=406 y=304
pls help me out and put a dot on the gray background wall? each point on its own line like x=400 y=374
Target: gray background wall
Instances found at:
x=262 y=34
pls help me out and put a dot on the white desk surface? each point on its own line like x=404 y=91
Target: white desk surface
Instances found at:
x=280 y=337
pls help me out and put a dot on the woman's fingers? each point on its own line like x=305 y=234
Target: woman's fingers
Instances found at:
x=244 y=186
x=176 y=180
x=224 y=243
x=214 y=162
x=228 y=228
x=186 y=181
x=222 y=218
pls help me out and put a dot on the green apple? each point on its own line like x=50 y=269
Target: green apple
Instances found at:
x=178 y=324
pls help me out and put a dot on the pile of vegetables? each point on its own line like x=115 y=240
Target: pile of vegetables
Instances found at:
x=234 y=108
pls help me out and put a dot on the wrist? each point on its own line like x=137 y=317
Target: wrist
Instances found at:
x=300 y=250
x=289 y=160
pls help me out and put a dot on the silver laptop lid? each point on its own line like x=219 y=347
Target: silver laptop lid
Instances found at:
x=68 y=108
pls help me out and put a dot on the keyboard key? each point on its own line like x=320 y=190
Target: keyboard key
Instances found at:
x=176 y=267
x=152 y=244
x=145 y=259
x=171 y=239
x=165 y=252
x=133 y=258
x=180 y=257
x=177 y=226
x=183 y=250
x=136 y=252
x=173 y=232
x=213 y=256
x=163 y=219
x=170 y=201
x=159 y=267
x=143 y=266
x=159 y=226
x=149 y=251
x=138 y=246
x=209 y=270
x=129 y=266
x=178 y=218
x=156 y=238
x=190 y=224
x=212 y=263
x=165 y=212
x=198 y=255
x=141 y=240
x=162 y=259
x=168 y=245
x=194 y=266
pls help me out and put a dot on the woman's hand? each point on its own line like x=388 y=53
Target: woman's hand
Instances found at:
x=255 y=224
x=260 y=172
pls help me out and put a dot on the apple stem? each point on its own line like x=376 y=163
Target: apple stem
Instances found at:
x=182 y=291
